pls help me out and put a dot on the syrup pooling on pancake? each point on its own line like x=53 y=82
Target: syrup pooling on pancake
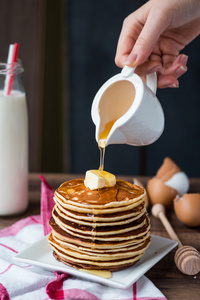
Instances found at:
x=103 y=229
x=77 y=193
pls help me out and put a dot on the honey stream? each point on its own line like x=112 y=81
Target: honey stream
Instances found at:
x=102 y=142
x=116 y=108
x=113 y=192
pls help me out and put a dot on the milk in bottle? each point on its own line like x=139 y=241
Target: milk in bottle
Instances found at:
x=13 y=145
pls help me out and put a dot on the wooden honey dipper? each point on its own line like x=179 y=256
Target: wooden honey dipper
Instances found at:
x=187 y=258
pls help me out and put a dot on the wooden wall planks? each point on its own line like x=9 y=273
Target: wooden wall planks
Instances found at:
x=23 y=21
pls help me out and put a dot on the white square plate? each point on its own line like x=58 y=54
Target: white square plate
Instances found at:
x=40 y=254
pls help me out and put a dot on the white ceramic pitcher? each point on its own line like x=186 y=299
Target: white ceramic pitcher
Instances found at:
x=133 y=104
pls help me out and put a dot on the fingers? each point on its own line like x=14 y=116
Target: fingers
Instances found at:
x=128 y=36
x=168 y=76
x=167 y=81
x=154 y=25
x=136 y=47
x=148 y=68
x=163 y=81
x=169 y=73
x=177 y=67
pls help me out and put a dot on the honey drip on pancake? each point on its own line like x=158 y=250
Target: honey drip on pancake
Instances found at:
x=76 y=190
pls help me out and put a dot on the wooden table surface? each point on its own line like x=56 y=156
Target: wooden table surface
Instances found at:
x=172 y=283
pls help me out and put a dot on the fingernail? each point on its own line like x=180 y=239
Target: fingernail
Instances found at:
x=174 y=85
x=183 y=59
x=180 y=70
x=131 y=59
x=156 y=69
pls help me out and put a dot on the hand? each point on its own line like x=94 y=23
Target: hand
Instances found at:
x=153 y=36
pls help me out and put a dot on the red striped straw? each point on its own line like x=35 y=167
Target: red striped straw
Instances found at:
x=12 y=58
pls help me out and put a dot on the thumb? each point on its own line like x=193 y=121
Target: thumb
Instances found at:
x=154 y=26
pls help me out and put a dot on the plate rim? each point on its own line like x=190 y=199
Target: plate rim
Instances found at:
x=171 y=244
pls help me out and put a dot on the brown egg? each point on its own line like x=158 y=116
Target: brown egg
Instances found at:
x=167 y=169
x=168 y=182
x=160 y=193
x=137 y=182
x=187 y=209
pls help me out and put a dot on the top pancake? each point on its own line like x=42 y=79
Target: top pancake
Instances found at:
x=75 y=196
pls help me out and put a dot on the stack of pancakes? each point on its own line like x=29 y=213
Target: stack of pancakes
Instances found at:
x=104 y=229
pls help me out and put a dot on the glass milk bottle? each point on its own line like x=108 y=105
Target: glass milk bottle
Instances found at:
x=13 y=141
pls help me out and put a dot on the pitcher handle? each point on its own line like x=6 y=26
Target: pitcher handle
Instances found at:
x=152 y=82
x=151 y=79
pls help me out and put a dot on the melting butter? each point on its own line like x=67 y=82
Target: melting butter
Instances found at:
x=98 y=179
x=104 y=274
x=110 y=179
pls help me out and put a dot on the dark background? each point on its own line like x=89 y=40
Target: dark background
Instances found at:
x=94 y=28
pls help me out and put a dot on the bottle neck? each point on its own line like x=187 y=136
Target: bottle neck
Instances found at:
x=11 y=69
x=10 y=78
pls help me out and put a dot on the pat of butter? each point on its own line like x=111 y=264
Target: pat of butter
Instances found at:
x=97 y=179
